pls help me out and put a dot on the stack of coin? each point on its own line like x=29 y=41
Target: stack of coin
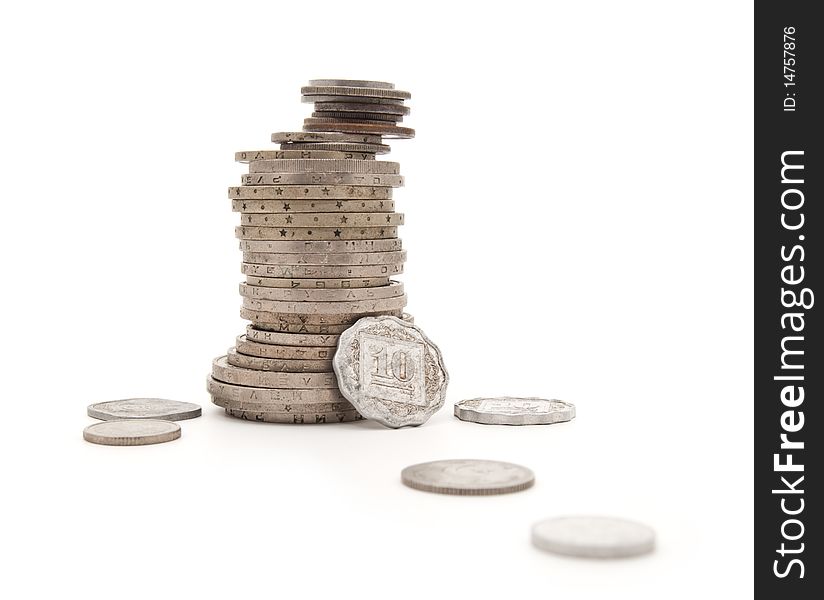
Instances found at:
x=319 y=236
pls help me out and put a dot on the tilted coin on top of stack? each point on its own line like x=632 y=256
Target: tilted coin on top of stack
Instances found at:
x=319 y=236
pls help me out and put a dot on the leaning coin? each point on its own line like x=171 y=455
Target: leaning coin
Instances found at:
x=393 y=290
x=310 y=247
x=327 y=308
x=325 y=165
x=245 y=156
x=291 y=339
x=315 y=233
x=257 y=395
x=339 y=146
x=225 y=372
x=303 y=136
x=144 y=408
x=468 y=477
x=131 y=432
x=356 y=179
x=287 y=208
x=365 y=83
x=321 y=271
x=391 y=131
x=295 y=418
x=317 y=219
x=334 y=90
x=250 y=347
x=593 y=537
x=321 y=283
x=329 y=258
x=355 y=107
x=309 y=192
x=391 y=371
x=280 y=365
x=514 y=411
x=290 y=408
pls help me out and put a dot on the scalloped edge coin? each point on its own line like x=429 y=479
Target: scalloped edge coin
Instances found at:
x=593 y=537
x=425 y=386
x=144 y=408
x=131 y=432
x=507 y=410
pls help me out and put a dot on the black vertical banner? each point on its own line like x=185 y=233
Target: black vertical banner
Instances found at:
x=789 y=371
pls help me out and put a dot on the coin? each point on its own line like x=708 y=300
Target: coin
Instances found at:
x=315 y=219
x=352 y=83
x=355 y=107
x=294 y=418
x=320 y=284
x=315 y=233
x=315 y=98
x=309 y=192
x=284 y=408
x=270 y=321
x=325 y=165
x=310 y=247
x=468 y=477
x=333 y=116
x=268 y=350
x=314 y=207
x=339 y=146
x=250 y=155
x=131 y=432
x=334 y=90
x=390 y=371
x=392 y=131
x=227 y=373
x=327 y=308
x=290 y=339
x=144 y=408
x=340 y=259
x=356 y=179
x=321 y=271
x=245 y=394
x=303 y=136
x=258 y=363
x=593 y=537
x=514 y=411
x=393 y=290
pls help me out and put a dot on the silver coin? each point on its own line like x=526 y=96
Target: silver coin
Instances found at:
x=250 y=347
x=393 y=290
x=319 y=284
x=338 y=179
x=468 y=477
x=279 y=365
x=514 y=411
x=335 y=90
x=343 y=307
x=320 y=271
x=326 y=258
x=365 y=83
x=290 y=339
x=131 y=432
x=274 y=322
x=330 y=208
x=246 y=156
x=286 y=408
x=593 y=537
x=283 y=137
x=390 y=131
x=245 y=394
x=223 y=371
x=315 y=219
x=310 y=192
x=144 y=408
x=355 y=107
x=334 y=116
x=315 y=98
x=325 y=165
x=310 y=247
x=295 y=418
x=390 y=371
x=339 y=146
x=315 y=233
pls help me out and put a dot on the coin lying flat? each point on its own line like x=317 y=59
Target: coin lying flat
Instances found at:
x=315 y=233
x=273 y=322
x=315 y=98
x=390 y=371
x=288 y=408
x=245 y=394
x=290 y=339
x=355 y=179
x=315 y=219
x=393 y=290
x=330 y=209
x=296 y=418
x=245 y=156
x=281 y=137
x=365 y=83
x=514 y=411
x=131 y=432
x=468 y=477
x=279 y=365
x=227 y=373
x=144 y=408
x=392 y=131
x=333 y=116
x=593 y=537
x=334 y=90
x=325 y=258
x=250 y=347
x=309 y=192
x=321 y=247
x=339 y=146
x=326 y=308
x=324 y=165
x=357 y=107
x=319 y=283
x=321 y=271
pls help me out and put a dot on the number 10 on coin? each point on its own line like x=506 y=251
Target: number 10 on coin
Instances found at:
x=390 y=369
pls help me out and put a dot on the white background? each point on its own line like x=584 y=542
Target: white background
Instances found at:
x=579 y=226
